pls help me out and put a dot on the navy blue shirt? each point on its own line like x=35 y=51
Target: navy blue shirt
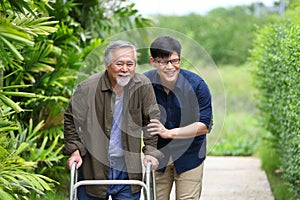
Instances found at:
x=188 y=102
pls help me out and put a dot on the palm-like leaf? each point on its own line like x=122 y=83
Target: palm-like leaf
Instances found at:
x=38 y=59
x=16 y=174
x=8 y=102
x=47 y=152
x=5 y=93
x=35 y=26
x=5 y=195
x=20 y=6
x=6 y=125
x=18 y=31
x=13 y=39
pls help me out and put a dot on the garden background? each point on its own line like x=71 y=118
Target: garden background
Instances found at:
x=43 y=49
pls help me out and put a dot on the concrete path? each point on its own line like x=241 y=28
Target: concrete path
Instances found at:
x=234 y=178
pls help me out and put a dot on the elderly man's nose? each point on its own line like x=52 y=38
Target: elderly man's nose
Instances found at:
x=124 y=68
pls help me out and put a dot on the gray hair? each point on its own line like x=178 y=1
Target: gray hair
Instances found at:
x=117 y=45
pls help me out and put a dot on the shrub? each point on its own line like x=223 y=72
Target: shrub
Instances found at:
x=276 y=54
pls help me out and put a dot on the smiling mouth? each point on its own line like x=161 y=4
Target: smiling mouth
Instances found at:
x=123 y=74
x=169 y=73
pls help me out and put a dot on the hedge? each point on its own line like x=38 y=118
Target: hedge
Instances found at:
x=276 y=55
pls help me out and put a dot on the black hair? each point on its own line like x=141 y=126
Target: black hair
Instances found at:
x=164 y=47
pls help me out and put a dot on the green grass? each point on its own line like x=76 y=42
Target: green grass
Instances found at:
x=235 y=131
x=238 y=137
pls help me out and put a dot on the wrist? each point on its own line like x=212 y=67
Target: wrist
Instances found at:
x=172 y=133
x=76 y=153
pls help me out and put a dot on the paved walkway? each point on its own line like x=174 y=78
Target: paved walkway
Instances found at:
x=234 y=178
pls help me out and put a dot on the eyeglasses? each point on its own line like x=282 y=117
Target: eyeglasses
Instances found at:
x=174 y=62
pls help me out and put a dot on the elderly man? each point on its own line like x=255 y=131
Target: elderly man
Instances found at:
x=103 y=126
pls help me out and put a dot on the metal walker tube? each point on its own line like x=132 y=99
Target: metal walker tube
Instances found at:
x=74 y=184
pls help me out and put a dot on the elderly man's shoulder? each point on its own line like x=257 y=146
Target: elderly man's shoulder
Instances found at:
x=91 y=79
x=89 y=82
x=142 y=78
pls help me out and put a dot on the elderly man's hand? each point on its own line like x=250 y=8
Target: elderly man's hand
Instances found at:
x=151 y=159
x=75 y=157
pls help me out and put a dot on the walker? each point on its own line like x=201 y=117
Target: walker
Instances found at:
x=74 y=184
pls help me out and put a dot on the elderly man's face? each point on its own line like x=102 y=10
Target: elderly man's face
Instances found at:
x=122 y=68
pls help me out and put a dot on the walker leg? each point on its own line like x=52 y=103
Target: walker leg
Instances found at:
x=154 y=184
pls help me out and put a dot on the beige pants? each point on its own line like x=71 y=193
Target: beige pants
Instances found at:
x=188 y=185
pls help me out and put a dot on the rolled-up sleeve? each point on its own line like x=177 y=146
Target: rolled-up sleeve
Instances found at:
x=205 y=105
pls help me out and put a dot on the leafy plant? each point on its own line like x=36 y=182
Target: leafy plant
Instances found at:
x=35 y=152
x=220 y=31
x=17 y=177
x=276 y=55
x=240 y=134
x=42 y=46
x=17 y=173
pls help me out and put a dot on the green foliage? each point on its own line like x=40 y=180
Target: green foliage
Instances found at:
x=270 y=163
x=49 y=196
x=226 y=34
x=17 y=173
x=42 y=46
x=17 y=32
x=29 y=58
x=17 y=177
x=38 y=153
x=292 y=14
x=277 y=56
x=6 y=124
x=240 y=134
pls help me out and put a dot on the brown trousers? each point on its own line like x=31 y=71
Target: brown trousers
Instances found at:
x=188 y=185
